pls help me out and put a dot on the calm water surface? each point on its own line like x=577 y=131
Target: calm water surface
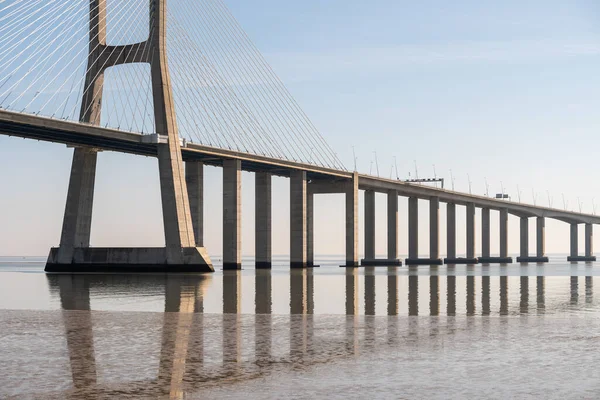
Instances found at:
x=515 y=331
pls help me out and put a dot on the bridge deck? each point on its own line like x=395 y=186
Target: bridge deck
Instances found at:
x=77 y=134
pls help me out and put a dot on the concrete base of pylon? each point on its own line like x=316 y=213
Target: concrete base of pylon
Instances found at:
x=303 y=265
x=496 y=260
x=581 y=258
x=462 y=260
x=130 y=260
x=263 y=265
x=423 y=261
x=532 y=259
x=380 y=262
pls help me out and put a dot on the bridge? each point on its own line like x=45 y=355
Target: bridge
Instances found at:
x=215 y=102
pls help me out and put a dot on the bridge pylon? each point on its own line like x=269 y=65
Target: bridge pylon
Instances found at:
x=180 y=254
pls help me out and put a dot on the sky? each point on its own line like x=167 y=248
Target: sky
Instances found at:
x=504 y=91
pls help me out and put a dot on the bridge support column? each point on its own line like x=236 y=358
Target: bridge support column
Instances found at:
x=298 y=220
x=451 y=257
x=392 y=225
x=450 y=234
x=369 y=225
x=524 y=233
x=540 y=256
x=504 y=258
x=504 y=233
x=177 y=220
x=310 y=234
x=77 y=221
x=589 y=240
x=263 y=222
x=413 y=228
x=541 y=239
x=434 y=231
x=471 y=233
x=574 y=243
x=485 y=233
x=589 y=232
x=232 y=214
x=352 y=222
x=194 y=178
x=413 y=234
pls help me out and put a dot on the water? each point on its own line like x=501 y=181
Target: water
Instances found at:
x=426 y=332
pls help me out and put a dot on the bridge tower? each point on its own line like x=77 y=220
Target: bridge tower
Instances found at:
x=181 y=253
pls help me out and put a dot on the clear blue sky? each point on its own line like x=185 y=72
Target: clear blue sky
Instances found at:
x=504 y=90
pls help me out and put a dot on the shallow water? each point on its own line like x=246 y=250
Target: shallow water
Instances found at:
x=428 y=332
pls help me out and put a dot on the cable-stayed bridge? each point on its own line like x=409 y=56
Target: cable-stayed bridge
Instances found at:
x=181 y=81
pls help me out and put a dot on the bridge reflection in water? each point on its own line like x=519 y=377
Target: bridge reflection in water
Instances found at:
x=255 y=345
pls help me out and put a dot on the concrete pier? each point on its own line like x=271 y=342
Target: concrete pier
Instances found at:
x=471 y=232
x=504 y=258
x=451 y=234
x=540 y=236
x=524 y=225
x=504 y=233
x=541 y=239
x=470 y=239
x=298 y=220
x=77 y=221
x=524 y=240
x=392 y=225
x=574 y=254
x=524 y=250
x=263 y=221
x=194 y=178
x=177 y=220
x=589 y=240
x=232 y=214
x=413 y=233
x=485 y=233
x=413 y=228
x=130 y=260
x=310 y=233
x=575 y=244
x=451 y=257
x=434 y=228
x=369 y=225
x=352 y=222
